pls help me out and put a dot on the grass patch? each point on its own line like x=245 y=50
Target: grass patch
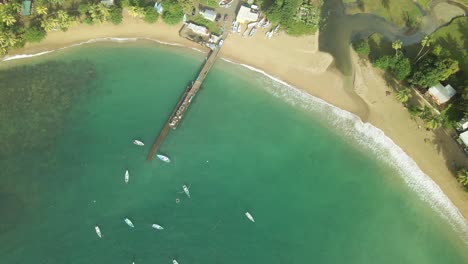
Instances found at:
x=454 y=40
x=209 y=3
x=211 y=26
x=400 y=12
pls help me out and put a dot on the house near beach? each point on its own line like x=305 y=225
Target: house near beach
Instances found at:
x=247 y=14
x=441 y=94
x=463 y=141
x=108 y=3
x=462 y=125
x=200 y=30
x=208 y=14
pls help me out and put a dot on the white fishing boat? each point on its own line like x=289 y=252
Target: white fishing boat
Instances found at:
x=276 y=29
x=98 y=231
x=262 y=22
x=234 y=27
x=269 y=34
x=186 y=190
x=239 y=29
x=246 y=32
x=138 y=142
x=163 y=158
x=129 y=223
x=251 y=25
x=252 y=32
x=174 y=261
x=249 y=216
x=127 y=176
x=267 y=24
x=155 y=226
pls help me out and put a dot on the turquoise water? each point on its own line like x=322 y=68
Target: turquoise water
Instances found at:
x=316 y=197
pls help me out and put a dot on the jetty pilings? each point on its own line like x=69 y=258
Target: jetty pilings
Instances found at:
x=184 y=102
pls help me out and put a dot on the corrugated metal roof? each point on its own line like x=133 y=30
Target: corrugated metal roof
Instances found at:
x=26 y=8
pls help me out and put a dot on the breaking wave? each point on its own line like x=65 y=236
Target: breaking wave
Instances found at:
x=118 y=40
x=372 y=138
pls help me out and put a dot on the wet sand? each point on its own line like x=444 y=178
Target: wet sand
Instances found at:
x=297 y=61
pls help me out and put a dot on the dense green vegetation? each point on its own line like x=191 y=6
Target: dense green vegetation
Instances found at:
x=115 y=15
x=52 y=15
x=151 y=16
x=297 y=17
x=426 y=65
x=173 y=12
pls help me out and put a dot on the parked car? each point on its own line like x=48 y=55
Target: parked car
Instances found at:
x=194 y=11
x=218 y=16
x=226 y=17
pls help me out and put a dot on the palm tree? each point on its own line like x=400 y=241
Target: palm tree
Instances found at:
x=62 y=15
x=425 y=42
x=49 y=24
x=462 y=177
x=41 y=10
x=396 y=45
x=433 y=122
x=425 y=113
x=135 y=11
x=104 y=11
x=8 y=19
x=403 y=95
x=7 y=40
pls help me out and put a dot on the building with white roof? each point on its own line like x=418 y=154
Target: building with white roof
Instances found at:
x=200 y=30
x=464 y=138
x=108 y=3
x=462 y=125
x=441 y=94
x=208 y=14
x=247 y=14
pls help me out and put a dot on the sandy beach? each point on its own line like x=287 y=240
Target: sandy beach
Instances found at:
x=298 y=62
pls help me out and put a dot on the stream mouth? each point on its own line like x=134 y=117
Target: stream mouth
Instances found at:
x=339 y=29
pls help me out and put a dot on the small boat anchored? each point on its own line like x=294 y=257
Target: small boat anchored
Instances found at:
x=163 y=158
x=249 y=216
x=138 y=142
x=129 y=223
x=174 y=261
x=127 y=176
x=186 y=190
x=158 y=227
x=98 y=231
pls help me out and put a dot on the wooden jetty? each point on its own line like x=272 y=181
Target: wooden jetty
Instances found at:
x=184 y=102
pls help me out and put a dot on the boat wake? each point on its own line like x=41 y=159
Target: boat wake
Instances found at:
x=372 y=138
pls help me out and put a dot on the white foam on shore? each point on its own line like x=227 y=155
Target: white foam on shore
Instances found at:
x=117 y=40
x=372 y=138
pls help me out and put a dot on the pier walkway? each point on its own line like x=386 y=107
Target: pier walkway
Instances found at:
x=184 y=102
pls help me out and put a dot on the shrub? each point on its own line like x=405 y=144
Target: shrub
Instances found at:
x=382 y=62
x=88 y=20
x=151 y=15
x=362 y=47
x=34 y=34
x=173 y=12
x=115 y=15
x=402 y=68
